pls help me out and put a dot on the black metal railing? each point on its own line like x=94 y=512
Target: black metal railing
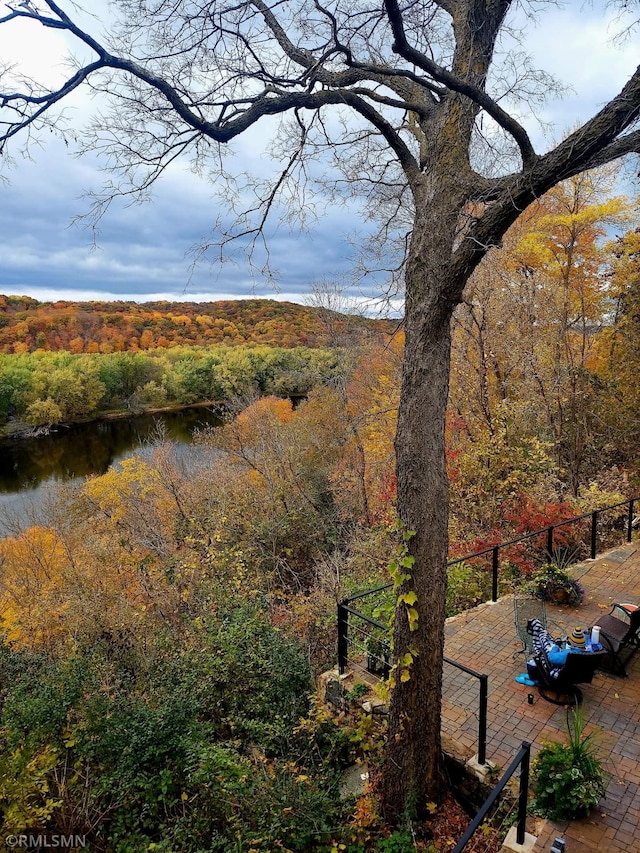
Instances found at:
x=369 y=638
x=549 y=531
x=522 y=761
x=376 y=657
x=376 y=660
x=345 y=607
x=483 y=698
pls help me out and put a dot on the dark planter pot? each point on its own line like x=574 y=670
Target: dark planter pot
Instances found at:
x=563 y=596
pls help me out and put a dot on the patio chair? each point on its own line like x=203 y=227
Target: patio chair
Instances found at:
x=620 y=636
x=526 y=608
x=559 y=684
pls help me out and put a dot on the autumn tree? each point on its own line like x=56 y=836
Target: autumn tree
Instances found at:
x=562 y=256
x=619 y=351
x=413 y=89
x=276 y=468
x=528 y=331
x=71 y=385
x=35 y=568
x=371 y=405
x=368 y=385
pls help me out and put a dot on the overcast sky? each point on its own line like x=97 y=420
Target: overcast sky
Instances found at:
x=142 y=252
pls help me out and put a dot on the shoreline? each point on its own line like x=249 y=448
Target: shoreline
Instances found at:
x=115 y=415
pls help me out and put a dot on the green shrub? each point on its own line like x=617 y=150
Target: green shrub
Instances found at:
x=198 y=747
x=467 y=586
x=358 y=690
x=399 y=841
x=569 y=780
x=254 y=802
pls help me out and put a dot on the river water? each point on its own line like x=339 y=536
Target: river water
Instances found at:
x=29 y=466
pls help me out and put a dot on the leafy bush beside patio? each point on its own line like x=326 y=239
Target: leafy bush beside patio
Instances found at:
x=569 y=780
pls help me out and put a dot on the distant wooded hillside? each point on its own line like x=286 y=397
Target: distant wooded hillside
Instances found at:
x=27 y=325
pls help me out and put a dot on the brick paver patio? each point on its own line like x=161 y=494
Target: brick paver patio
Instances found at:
x=484 y=639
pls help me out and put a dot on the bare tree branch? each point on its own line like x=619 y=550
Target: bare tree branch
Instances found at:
x=453 y=83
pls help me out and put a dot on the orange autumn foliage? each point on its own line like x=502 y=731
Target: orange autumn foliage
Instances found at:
x=27 y=325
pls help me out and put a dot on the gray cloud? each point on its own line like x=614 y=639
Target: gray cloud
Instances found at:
x=142 y=251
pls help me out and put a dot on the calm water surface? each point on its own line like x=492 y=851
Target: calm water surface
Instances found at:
x=29 y=466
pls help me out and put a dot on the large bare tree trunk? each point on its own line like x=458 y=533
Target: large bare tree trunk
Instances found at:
x=413 y=767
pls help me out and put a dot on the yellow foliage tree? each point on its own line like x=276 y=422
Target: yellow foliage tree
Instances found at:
x=35 y=569
x=277 y=497
x=373 y=394
x=526 y=334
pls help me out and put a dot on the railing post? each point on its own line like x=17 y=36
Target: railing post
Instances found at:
x=522 y=761
x=494 y=574
x=594 y=533
x=343 y=628
x=550 y=542
x=523 y=795
x=482 y=720
x=630 y=521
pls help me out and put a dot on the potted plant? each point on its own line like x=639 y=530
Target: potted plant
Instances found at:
x=551 y=582
x=569 y=780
